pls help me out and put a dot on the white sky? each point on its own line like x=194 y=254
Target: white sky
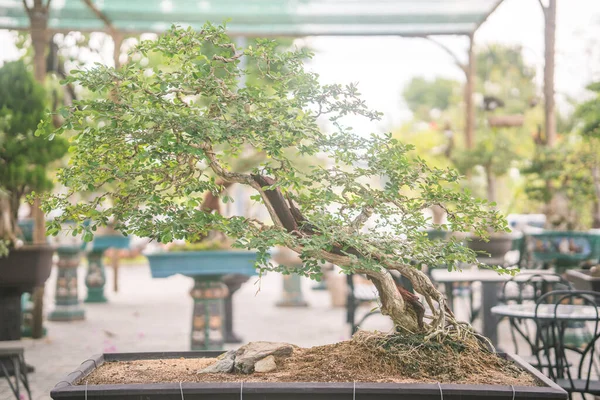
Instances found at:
x=383 y=65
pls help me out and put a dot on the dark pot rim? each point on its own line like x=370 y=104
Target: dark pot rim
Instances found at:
x=66 y=388
x=33 y=247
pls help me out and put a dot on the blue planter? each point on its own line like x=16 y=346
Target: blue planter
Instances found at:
x=200 y=263
x=211 y=324
x=110 y=241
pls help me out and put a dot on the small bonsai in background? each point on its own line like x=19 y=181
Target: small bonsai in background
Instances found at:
x=157 y=141
x=495 y=152
x=565 y=179
x=24 y=158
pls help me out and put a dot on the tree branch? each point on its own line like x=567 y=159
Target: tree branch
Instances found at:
x=109 y=25
x=442 y=46
x=543 y=6
x=360 y=220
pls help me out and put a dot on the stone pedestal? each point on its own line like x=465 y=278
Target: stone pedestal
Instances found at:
x=96 y=277
x=292 y=296
x=233 y=282
x=208 y=316
x=67 y=304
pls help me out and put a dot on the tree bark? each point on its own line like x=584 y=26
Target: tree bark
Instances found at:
x=490 y=184
x=38 y=17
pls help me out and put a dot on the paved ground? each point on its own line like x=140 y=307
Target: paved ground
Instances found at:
x=154 y=315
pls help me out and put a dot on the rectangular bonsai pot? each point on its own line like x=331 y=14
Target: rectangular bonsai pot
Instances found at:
x=67 y=388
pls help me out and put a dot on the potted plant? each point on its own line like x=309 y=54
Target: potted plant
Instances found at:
x=161 y=148
x=24 y=159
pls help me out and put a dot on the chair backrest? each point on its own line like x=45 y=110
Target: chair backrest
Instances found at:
x=530 y=287
x=555 y=315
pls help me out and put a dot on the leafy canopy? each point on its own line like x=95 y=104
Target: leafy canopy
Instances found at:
x=157 y=141
x=24 y=158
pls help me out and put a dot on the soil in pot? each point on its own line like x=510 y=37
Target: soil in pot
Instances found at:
x=368 y=357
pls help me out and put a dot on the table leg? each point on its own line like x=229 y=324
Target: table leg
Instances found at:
x=233 y=282
x=489 y=298
x=114 y=260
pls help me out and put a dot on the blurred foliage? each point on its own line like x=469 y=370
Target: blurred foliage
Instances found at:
x=503 y=73
x=206 y=245
x=24 y=158
x=425 y=97
x=566 y=178
x=504 y=86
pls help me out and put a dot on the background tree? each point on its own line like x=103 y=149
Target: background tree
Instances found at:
x=505 y=86
x=589 y=115
x=565 y=180
x=24 y=158
x=502 y=73
x=424 y=96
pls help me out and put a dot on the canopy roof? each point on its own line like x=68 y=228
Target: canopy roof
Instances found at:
x=265 y=17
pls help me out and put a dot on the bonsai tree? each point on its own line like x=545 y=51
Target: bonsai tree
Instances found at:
x=24 y=158
x=161 y=140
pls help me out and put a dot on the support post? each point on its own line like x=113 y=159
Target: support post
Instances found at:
x=549 y=53
x=38 y=18
x=469 y=70
x=291 y=295
x=117 y=38
x=114 y=263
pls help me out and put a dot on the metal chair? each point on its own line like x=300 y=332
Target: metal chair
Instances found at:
x=574 y=367
x=12 y=363
x=519 y=290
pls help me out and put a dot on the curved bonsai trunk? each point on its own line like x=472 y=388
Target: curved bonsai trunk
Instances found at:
x=404 y=309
